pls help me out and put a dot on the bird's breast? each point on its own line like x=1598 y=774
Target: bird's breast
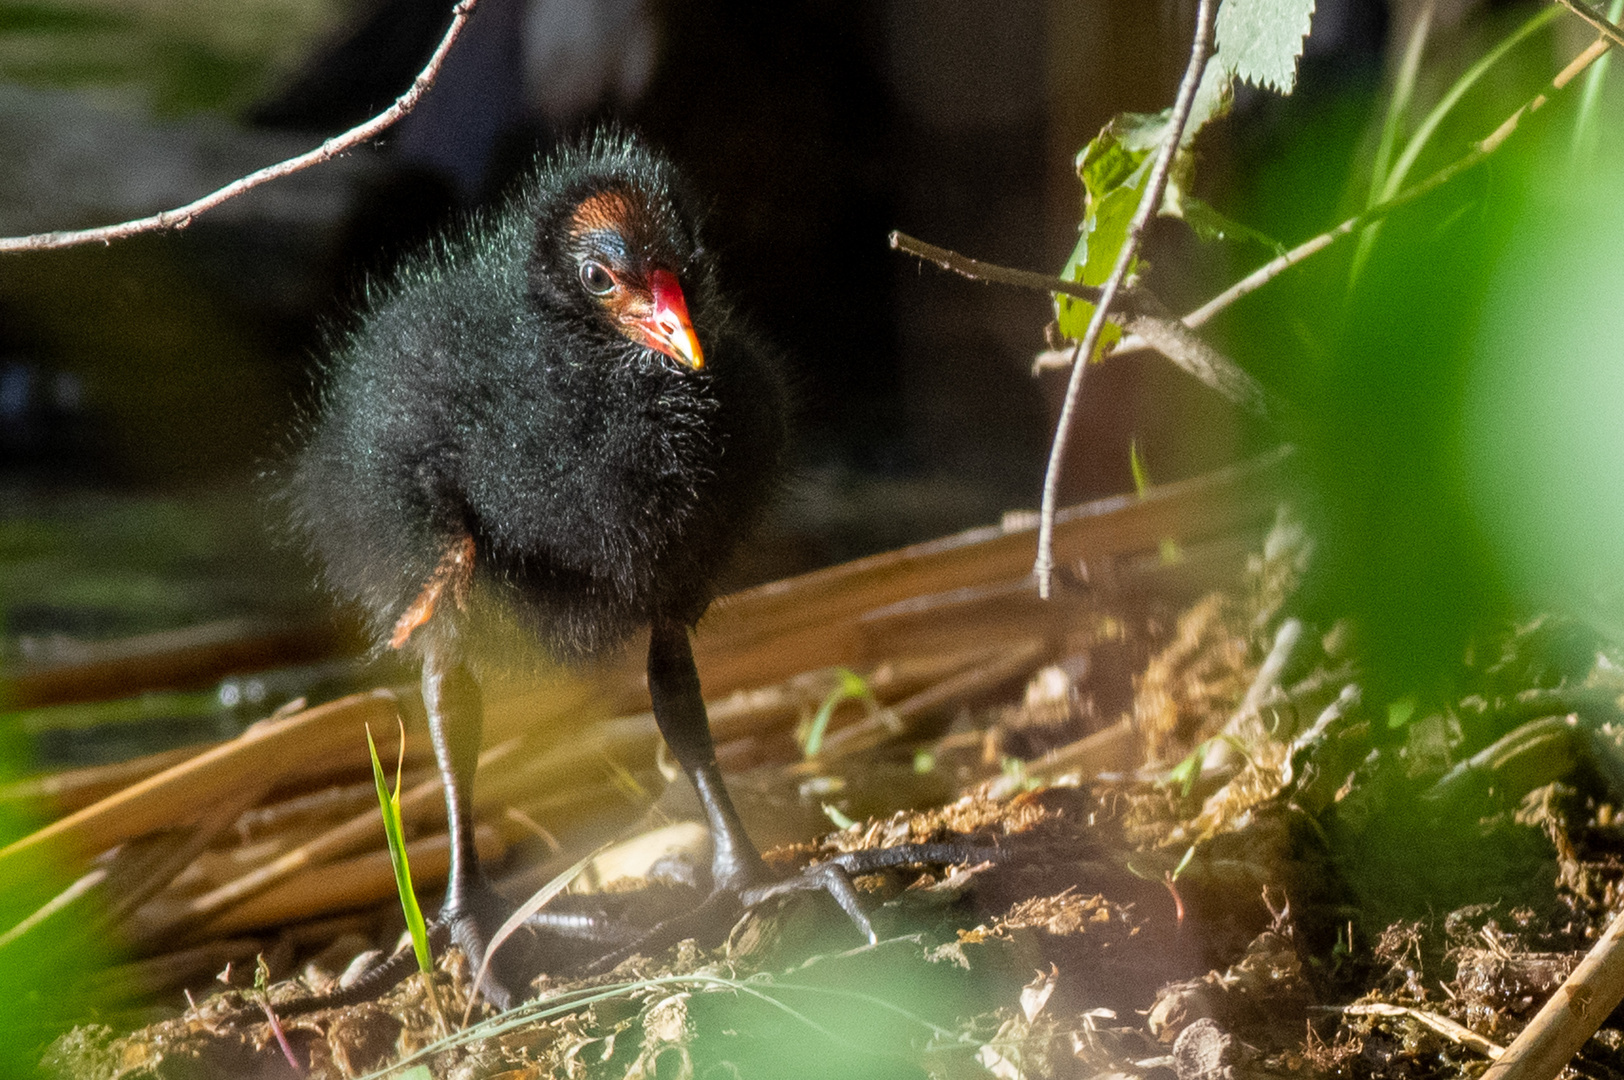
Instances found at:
x=599 y=476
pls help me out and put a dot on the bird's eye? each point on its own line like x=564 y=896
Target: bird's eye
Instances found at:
x=596 y=278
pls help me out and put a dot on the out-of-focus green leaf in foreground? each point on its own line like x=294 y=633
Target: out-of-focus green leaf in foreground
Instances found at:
x=1464 y=448
x=54 y=976
x=1544 y=410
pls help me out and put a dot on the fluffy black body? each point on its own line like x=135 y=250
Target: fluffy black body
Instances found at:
x=485 y=394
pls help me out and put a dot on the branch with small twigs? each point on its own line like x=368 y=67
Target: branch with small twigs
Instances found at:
x=1149 y=326
x=978 y=270
x=1149 y=203
x=182 y=216
x=1488 y=145
x=1146 y=319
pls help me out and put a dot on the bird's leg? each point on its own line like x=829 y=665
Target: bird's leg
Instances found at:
x=456 y=720
x=471 y=910
x=739 y=877
x=679 y=709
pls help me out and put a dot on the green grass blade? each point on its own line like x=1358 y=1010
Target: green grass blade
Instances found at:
x=1584 y=125
x=1399 y=103
x=1394 y=181
x=396 y=834
x=1468 y=79
x=852 y=686
x=1141 y=478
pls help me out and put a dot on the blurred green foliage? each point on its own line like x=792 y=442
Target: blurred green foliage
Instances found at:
x=172 y=58
x=57 y=974
x=92 y=565
x=1460 y=462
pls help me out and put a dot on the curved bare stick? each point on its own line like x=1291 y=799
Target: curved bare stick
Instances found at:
x=1149 y=202
x=182 y=216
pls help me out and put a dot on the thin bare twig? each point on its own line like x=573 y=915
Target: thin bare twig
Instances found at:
x=976 y=270
x=1147 y=320
x=1149 y=202
x=1275 y=267
x=182 y=216
x=1596 y=19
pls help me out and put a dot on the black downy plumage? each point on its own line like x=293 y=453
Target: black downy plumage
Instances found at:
x=489 y=394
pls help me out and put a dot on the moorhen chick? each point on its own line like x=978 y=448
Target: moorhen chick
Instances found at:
x=543 y=437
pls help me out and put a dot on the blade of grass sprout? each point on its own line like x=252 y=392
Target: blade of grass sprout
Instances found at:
x=1584 y=125
x=539 y=900
x=1394 y=182
x=1423 y=133
x=1399 y=103
x=1136 y=464
x=395 y=833
x=840 y=820
x=852 y=686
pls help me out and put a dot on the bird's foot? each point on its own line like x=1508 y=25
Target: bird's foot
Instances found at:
x=468 y=919
x=727 y=902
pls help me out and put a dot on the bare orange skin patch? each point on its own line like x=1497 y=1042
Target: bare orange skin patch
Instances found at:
x=604 y=210
x=455 y=571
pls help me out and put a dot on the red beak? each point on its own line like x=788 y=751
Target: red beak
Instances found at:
x=668 y=328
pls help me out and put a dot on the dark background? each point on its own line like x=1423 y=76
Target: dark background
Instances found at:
x=816 y=127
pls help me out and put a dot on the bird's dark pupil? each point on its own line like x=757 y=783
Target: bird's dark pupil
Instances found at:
x=596 y=277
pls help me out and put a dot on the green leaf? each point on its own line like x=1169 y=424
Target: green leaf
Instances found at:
x=416 y=1072
x=1399 y=712
x=1114 y=167
x=1071 y=314
x=1260 y=40
x=1121 y=149
x=1185 y=772
x=395 y=832
x=1184 y=863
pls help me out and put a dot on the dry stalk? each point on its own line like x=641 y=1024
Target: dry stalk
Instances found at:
x=1573 y=1014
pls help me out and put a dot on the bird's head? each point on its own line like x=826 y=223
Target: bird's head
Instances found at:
x=614 y=247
